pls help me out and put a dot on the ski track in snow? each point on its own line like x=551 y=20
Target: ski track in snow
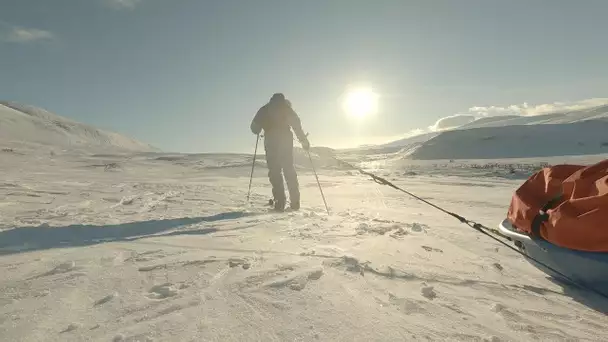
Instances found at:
x=157 y=250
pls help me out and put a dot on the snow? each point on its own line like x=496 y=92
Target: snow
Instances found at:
x=585 y=137
x=163 y=247
x=395 y=146
x=593 y=113
x=579 y=132
x=28 y=124
x=160 y=250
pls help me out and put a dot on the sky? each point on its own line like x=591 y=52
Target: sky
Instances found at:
x=189 y=75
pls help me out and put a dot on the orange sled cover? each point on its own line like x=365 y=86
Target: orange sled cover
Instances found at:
x=578 y=219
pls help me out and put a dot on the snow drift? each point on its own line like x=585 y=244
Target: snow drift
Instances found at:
x=28 y=124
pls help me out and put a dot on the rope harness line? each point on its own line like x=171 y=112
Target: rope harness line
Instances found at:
x=477 y=226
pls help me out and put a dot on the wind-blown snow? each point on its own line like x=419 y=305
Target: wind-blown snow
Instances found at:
x=163 y=247
x=27 y=124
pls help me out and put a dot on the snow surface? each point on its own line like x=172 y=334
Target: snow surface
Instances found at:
x=164 y=247
x=101 y=244
x=24 y=124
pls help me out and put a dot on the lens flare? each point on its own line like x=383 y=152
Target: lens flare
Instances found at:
x=360 y=102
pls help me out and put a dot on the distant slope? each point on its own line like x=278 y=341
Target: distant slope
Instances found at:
x=416 y=139
x=596 y=113
x=538 y=140
x=30 y=124
x=453 y=144
x=394 y=146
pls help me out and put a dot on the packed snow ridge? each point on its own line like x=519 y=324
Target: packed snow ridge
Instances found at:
x=24 y=124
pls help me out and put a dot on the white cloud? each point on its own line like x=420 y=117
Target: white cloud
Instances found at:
x=452 y=121
x=122 y=4
x=26 y=35
x=494 y=110
x=414 y=132
x=526 y=109
x=477 y=112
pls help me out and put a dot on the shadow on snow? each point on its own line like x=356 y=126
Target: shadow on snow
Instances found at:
x=43 y=237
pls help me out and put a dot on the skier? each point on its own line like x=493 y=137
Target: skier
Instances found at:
x=277 y=118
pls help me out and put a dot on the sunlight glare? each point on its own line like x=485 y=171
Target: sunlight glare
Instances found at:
x=360 y=102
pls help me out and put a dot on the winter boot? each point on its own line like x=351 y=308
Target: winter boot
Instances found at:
x=294 y=205
x=279 y=205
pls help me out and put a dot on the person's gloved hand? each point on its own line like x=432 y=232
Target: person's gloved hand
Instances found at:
x=255 y=128
x=305 y=144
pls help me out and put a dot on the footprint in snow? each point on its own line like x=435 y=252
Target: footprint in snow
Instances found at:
x=347 y=263
x=297 y=281
x=505 y=312
x=316 y=275
x=106 y=299
x=493 y=339
x=195 y=263
x=497 y=307
x=431 y=249
x=407 y=306
x=399 y=233
x=163 y=291
x=418 y=227
x=377 y=228
x=235 y=262
x=429 y=292
x=64 y=267
x=147 y=256
x=71 y=327
x=123 y=338
x=127 y=200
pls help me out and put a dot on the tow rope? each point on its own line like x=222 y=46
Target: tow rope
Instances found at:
x=477 y=226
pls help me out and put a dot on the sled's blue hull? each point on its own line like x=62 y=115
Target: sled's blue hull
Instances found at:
x=587 y=268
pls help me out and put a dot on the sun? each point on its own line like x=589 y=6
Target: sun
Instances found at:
x=360 y=102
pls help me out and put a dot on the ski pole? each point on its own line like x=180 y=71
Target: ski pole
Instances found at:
x=255 y=153
x=318 y=183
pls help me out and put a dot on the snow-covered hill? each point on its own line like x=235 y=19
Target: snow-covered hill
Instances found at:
x=396 y=145
x=581 y=132
x=579 y=138
x=27 y=124
x=595 y=113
